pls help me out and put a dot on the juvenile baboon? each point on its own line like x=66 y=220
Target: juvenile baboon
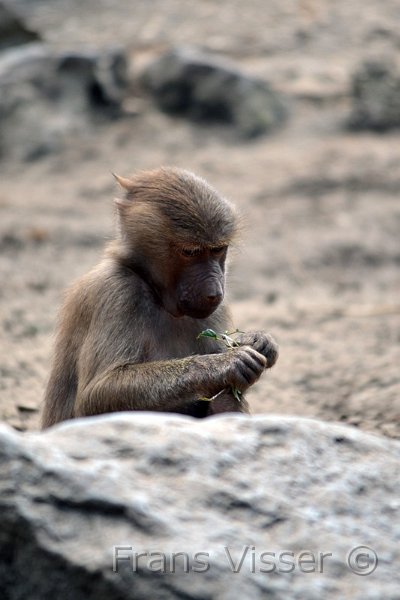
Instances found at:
x=128 y=332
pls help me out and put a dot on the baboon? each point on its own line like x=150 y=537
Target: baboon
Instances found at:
x=128 y=331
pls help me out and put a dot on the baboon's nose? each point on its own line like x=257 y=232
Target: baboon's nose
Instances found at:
x=214 y=299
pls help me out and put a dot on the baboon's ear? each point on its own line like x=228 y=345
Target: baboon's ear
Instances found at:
x=122 y=204
x=124 y=182
x=127 y=185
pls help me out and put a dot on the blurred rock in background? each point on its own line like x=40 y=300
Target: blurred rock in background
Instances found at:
x=375 y=90
x=205 y=88
x=13 y=30
x=47 y=98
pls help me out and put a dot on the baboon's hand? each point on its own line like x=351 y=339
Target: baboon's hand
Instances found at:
x=239 y=367
x=263 y=342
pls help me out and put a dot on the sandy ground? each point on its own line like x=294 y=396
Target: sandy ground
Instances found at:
x=318 y=263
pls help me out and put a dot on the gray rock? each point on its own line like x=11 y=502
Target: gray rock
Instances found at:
x=201 y=87
x=375 y=92
x=47 y=98
x=13 y=30
x=102 y=75
x=94 y=491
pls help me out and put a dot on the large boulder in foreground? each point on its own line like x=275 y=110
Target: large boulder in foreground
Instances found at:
x=205 y=88
x=220 y=490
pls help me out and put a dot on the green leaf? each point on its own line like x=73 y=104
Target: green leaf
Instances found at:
x=208 y=333
x=237 y=394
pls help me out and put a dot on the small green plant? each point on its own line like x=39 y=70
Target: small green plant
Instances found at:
x=229 y=343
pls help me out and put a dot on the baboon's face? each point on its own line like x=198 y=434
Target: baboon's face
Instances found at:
x=199 y=281
x=176 y=230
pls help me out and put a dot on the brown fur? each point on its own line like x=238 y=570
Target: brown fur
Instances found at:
x=124 y=341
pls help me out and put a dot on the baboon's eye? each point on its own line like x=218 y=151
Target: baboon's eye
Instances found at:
x=218 y=249
x=191 y=251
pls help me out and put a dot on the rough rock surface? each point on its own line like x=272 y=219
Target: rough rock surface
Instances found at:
x=204 y=88
x=168 y=484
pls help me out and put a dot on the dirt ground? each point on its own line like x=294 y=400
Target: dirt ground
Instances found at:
x=318 y=263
